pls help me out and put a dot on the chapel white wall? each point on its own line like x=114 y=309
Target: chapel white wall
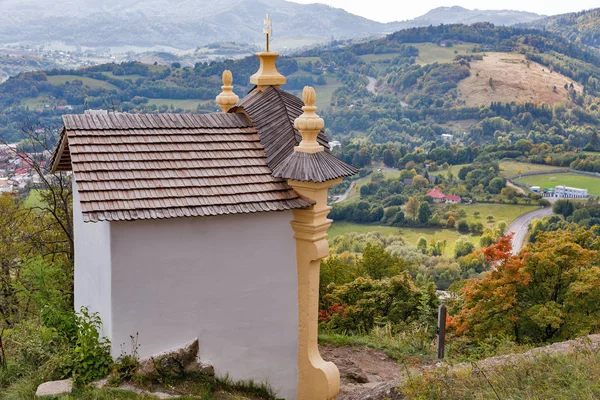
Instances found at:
x=230 y=281
x=92 y=265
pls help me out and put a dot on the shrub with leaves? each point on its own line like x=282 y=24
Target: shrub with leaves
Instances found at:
x=362 y=304
x=91 y=355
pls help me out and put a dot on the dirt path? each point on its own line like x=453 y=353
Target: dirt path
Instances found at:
x=517 y=188
x=369 y=374
x=364 y=372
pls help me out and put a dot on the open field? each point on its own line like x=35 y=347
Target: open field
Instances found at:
x=325 y=92
x=501 y=212
x=378 y=57
x=513 y=79
x=430 y=53
x=410 y=235
x=590 y=183
x=132 y=77
x=36 y=102
x=507 y=168
x=91 y=82
x=34 y=199
x=455 y=169
x=510 y=168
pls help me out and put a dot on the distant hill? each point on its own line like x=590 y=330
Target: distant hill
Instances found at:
x=191 y=23
x=582 y=27
x=461 y=15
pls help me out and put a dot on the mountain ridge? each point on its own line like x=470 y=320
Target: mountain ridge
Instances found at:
x=114 y=23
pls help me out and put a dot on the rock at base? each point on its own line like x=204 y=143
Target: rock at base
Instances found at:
x=54 y=388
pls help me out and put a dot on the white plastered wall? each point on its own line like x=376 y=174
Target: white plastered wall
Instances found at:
x=230 y=281
x=92 y=265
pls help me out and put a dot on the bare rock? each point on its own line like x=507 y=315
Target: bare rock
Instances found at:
x=196 y=368
x=174 y=363
x=101 y=384
x=54 y=388
x=160 y=395
x=357 y=375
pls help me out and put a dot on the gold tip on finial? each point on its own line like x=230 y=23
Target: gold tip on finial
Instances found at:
x=227 y=78
x=309 y=96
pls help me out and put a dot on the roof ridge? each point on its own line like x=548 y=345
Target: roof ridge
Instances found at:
x=287 y=112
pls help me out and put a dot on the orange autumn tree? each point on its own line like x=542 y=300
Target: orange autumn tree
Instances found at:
x=490 y=303
x=547 y=291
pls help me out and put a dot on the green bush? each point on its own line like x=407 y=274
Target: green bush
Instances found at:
x=91 y=355
x=364 y=303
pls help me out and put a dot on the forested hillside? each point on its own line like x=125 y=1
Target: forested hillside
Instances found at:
x=581 y=27
x=425 y=79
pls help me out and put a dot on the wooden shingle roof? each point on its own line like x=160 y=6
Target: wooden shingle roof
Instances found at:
x=142 y=166
x=273 y=111
x=313 y=167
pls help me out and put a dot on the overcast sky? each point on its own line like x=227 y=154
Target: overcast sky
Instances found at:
x=399 y=10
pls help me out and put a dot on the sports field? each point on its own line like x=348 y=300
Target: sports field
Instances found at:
x=592 y=184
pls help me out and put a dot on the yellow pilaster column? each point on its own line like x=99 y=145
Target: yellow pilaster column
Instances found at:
x=317 y=379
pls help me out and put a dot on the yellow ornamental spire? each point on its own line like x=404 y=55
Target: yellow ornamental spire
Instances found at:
x=227 y=99
x=309 y=124
x=267 y=74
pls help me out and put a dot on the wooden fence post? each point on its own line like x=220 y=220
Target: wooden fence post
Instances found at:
x=441 y=331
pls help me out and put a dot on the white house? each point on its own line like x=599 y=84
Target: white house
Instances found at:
x=569 y=192
x=211 y=227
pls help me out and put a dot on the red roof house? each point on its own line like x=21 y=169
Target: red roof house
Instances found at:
x=437 y=195
x=452 y=198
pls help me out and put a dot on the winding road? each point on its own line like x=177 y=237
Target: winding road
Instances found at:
x=520 y=226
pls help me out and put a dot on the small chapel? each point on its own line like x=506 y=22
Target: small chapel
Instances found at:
x=209 y=227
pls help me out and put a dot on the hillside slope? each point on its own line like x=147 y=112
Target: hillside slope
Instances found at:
x=513 y=78
x=114 y=23
x=583 y=27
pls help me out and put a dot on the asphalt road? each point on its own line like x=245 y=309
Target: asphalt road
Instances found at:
x=520 y=227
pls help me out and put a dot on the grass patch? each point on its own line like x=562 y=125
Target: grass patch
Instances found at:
x=546 y=376
x=398 y=346
x=592 y=184
x=501 y=212
x=510 y=168
x=91 y=82
x=378 y=57
x=36 y=102
x=410 y=235
x=306 y=60
x=325 y=92
x=33 y=199
x=430 y=53
x=132 y=77
x=455 y=169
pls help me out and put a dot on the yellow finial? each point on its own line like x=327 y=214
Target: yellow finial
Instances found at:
x=309 y=124
x=267 y=74
x=227 y=99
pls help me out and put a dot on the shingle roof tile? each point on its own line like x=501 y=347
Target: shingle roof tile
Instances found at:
x=142 y=166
